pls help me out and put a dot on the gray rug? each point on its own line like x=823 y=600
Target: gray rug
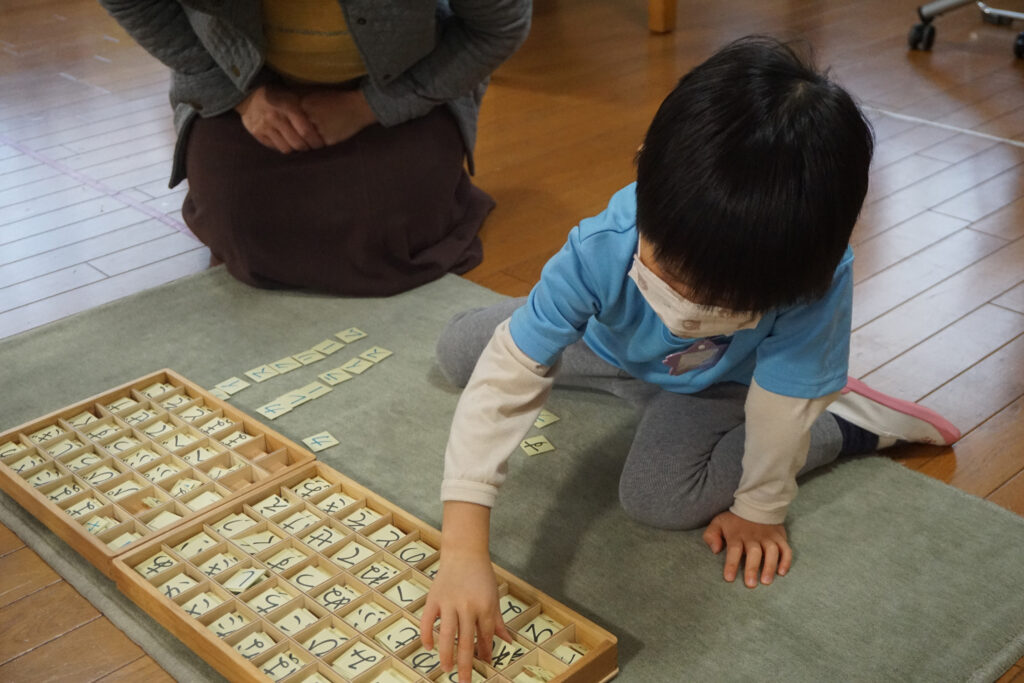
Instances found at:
x=897 y=577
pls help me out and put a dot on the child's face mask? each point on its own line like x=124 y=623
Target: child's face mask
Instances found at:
x=681 y=316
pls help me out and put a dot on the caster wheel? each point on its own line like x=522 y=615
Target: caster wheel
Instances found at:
x=1018 y=46
x=921 y=37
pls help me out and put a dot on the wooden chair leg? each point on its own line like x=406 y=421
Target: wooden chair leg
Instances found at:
x=661 y=15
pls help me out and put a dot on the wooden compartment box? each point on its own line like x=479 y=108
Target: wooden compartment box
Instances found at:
x=114 y=470
x=313 y=577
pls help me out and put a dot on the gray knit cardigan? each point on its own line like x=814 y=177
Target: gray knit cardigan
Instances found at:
x=418 y=54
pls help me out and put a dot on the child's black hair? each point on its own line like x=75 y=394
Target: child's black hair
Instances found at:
x=751 y=177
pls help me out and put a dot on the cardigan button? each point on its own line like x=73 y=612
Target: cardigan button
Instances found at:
x=361 y=21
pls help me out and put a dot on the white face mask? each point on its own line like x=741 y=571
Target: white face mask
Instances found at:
x=683 y=317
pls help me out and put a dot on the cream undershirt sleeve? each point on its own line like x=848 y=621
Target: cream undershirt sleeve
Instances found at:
x=499 y=404
x=778 y=435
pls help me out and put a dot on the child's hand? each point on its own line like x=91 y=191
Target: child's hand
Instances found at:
x=465 y=596
x=756 y=541
x=465 y=592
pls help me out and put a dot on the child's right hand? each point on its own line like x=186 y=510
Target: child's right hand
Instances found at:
x=465 y=596
x=465 y=592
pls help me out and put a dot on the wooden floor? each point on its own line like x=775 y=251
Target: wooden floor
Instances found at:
x=86 y=217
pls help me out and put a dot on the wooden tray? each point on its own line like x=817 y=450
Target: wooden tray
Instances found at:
x=332 y=554
x=130 y=464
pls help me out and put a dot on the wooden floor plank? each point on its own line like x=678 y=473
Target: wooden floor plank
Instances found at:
x=885 y=249
x=1010 y=495
x=19 y=178
x=9 y=541
x=82 y=161
x=893 y=177
x=1007 y=222
x=959 y=147
x=911 y=142
x=912 y=322
x=154 y=97
x=74 y=130
x=986 y=458
x=159 y=128
x=22 y=573
x=134 y=257
x=41 y=618
x=985 y=198
x=879 y=216
x=940 y=358
x=37 y=208
x=142 y=669
x=43 y=260
x=85 y=654
x=16 y=162
x=37 y=189
x=1009 y=125
x=996 y=105
x=48 y=285
x=962 y=96
x=1012 y=676
x=103 y=291
x=87 y=221
x=992 y=384
x=1013 y=299
x=139 y=160
x=154 y=173
x=918 y=272
x=956 y=178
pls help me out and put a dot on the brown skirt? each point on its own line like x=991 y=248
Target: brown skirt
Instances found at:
x=383 y=212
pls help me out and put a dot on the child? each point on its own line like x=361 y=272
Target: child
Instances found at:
x=715 y=293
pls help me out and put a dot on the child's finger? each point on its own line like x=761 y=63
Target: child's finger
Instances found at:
x=484 y=637
x=713 y=537
x=771 y=561
x=733 y=553
x=465 y=653
x=446 y=644
x=787 y=558
x=753 y=565
x=430 y=614
x=501 y=630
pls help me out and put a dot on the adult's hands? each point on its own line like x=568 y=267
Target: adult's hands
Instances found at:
x=337 y=114
x=273 y=115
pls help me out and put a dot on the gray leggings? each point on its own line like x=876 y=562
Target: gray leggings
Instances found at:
x=686 y=459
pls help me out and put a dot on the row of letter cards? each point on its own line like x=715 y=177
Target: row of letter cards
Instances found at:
x=113 y=470
x=315 y=578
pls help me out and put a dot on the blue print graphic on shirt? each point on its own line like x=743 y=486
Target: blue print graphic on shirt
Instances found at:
x=701 y=355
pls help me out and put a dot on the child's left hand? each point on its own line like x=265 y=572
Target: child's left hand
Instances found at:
x=757 y=541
